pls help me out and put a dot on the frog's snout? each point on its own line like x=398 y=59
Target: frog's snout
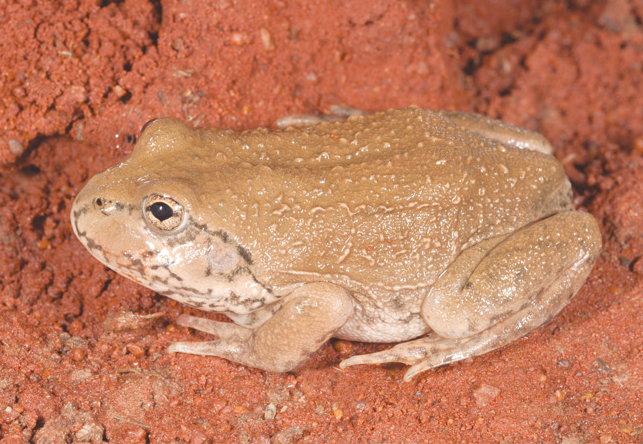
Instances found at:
x=88 y=208
x=99 y=220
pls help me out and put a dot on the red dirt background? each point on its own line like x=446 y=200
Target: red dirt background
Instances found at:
x=80 y=362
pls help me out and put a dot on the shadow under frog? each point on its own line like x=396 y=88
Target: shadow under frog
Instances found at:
x=448 y=232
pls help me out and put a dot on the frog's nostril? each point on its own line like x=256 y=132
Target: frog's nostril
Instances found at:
x=105 y=206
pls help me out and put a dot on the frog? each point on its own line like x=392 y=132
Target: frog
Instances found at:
x=447 y=233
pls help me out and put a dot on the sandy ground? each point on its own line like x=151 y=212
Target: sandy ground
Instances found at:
x=80 y=362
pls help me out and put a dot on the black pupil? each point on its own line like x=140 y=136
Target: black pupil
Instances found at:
x=161 y=211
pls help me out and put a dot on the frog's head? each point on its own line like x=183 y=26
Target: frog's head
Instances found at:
x=147 y=219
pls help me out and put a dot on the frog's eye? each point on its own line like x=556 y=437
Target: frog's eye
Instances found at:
x=163 y=213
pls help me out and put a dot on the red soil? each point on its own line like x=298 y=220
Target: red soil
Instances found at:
x=79 y=79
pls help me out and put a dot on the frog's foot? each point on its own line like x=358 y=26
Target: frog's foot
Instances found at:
x=308 y=318
x=433 y=351
x=421 y=354
x=339 y=113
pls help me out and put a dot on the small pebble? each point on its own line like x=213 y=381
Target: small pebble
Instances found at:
x=119 y=91
x=270 y=412
x=77 y=354
x=16 y=147
x=135 y=349
x=43 y=244
x=343 y=347
x=638 y=144
x=625 y=427
x=485 y=394
x=266 y=39
x=339 y=413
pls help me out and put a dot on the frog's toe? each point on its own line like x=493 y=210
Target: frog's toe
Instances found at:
x=193 y=348
x=418 y=368
x=188 y=321
x=220 y=348
x=220 y=329
x=404 y=353
x=373 y=358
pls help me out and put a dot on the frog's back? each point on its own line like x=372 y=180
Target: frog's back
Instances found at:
x=381 y=202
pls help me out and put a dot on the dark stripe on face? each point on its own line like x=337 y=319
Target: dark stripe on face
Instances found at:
x=245 y=254
x=225 y=237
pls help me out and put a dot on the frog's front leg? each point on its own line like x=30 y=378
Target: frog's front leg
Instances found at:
x=499 y=290
x=308 y=318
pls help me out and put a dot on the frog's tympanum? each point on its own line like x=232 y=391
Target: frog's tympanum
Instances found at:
x=448 y=232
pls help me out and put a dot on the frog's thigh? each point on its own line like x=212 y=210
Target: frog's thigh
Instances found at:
x=310 y=316
x=536 y=263
x=504 y=133
x=497 y=291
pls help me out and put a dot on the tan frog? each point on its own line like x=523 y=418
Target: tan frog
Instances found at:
x=442 y=226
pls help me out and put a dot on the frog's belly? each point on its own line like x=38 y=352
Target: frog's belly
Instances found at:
x=360 y=328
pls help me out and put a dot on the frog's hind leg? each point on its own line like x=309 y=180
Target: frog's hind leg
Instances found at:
x=499 y=290
x=433 y=351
